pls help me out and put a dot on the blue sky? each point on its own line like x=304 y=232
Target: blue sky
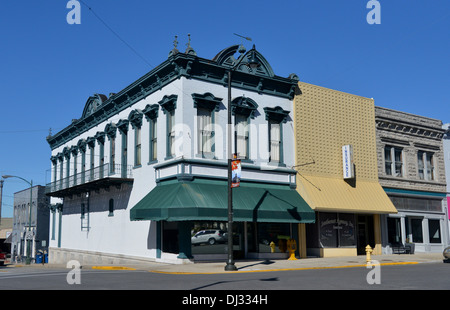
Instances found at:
x=49 y=68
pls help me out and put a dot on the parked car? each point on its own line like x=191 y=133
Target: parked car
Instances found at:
x=210 y=236
x=446 y=253
x=2 y=258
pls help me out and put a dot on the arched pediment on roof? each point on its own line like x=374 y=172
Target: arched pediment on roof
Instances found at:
x=93 y=103
x=226 y=58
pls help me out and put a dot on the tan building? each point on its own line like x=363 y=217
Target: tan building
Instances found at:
x=348 y=203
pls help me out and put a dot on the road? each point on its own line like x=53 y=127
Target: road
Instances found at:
x=426 y=276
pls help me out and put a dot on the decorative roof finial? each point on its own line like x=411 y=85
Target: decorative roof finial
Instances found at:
x=189 y=49
x=189 y=40
x=175 y=44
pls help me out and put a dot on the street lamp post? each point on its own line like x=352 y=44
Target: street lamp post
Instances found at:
x=28 y=260
x=252 y=63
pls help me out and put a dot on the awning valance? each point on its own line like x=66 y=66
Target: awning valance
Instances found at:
x=206 y=200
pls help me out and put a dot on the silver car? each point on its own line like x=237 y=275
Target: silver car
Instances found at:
x=446 y=254
x=209 y=236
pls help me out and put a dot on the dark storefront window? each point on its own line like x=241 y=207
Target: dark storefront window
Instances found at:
x=394 y=230
x=170 y=237
x=416 y=230
x=337 y=229
x=328 y=231
x=434 y=229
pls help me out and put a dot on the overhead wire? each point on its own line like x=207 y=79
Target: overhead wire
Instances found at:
x=116 y=34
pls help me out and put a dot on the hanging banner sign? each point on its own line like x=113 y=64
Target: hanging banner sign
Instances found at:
x=235 y=173
x=347 y=160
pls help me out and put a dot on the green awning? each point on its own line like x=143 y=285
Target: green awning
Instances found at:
x=203 y=200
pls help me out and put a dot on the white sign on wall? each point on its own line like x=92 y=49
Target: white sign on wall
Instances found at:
x=347 y=161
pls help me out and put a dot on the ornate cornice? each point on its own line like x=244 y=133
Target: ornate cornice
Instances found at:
x=99 y=109
x=409 y=128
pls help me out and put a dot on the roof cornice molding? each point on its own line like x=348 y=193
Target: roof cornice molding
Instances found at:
x=176 y=66
x=408 y=128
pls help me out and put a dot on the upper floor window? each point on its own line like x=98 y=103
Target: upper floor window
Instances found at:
x=110 y=131
x=242 y=136
x=135 y=119
x=275 y=141
x=276 y=117
x=137 y=146
x=206 y=104
x=171 y=133
x=244 y=109
x=205 y=131
x=393 y=161
x=425 y=163
x=153 y=139
x=168 y=105
x=151 y=114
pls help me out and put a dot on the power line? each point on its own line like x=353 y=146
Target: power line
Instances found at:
x=116 y=34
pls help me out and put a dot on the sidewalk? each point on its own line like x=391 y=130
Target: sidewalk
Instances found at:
x=265 y=265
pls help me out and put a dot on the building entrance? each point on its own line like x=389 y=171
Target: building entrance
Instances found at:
x=366 y=235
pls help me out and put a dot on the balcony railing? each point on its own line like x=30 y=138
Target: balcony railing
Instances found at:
x=104 y=171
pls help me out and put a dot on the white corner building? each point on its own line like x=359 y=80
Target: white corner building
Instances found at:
x=142 y=174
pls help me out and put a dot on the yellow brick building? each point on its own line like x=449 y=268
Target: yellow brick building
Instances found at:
x=347 y=210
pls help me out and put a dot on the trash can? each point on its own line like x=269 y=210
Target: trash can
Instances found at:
x=38 y=259
x=411 y=247
x=46 y=258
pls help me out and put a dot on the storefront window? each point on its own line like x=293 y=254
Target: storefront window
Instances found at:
x=416 y=230
x=394 y=230
x=337 y=229
x=209 y=237
x=170 y=237
x=212 y=237
x=328 y=231
x=346 y=232
x=277 y=233
x=434 y=230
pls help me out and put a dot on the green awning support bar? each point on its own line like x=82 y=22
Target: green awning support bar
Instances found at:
x=206 y=200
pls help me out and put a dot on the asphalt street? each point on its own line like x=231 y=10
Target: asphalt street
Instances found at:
x=424 y=276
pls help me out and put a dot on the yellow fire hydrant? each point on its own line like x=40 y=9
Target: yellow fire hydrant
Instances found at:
x=368 y=252
x=292 y=247
x=272 y=247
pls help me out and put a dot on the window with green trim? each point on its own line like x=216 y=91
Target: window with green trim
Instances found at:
x=112 y=155
x=276 y=117
x=169 y=104
x=137 y=146
x=151 y=114
x=171 y=133
x=206 y=104
x=205 y=132
x=241 y=134
x=275 y=141
x=153 y=139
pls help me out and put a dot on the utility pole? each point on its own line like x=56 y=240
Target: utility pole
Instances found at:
x=1 y=194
